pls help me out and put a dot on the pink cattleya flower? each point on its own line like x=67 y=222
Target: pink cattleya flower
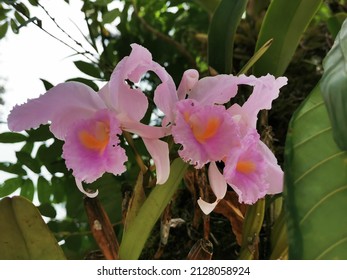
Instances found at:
x=209 y=133
x=206 y=132
x=90 y=123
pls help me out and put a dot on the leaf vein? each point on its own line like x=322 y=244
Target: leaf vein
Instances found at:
x=317 y=165
x=327 y=250
x=321 y=201
x=309 y=110
x=312 y=137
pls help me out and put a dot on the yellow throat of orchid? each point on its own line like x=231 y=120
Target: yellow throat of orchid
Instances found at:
x=203 y=131
x=245 y=166
x=98 y=139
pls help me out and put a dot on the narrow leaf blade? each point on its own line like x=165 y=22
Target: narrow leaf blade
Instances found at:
x=284 y=22
x=221 y=34
x=138 y=231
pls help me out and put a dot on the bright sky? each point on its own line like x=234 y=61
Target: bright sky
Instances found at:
x=31 y=55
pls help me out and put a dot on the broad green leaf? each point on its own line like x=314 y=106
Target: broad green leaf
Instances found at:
x=10 y=186
x=88 y=68
x=12 y=137
x=26 y=159
x=334 y=87
x=139 y=230
x=3 y=29
x=23 y=234
x=221 y=34
x=284 y=22
x=316 y=185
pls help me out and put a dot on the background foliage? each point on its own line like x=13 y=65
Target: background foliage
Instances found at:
x=176 y=34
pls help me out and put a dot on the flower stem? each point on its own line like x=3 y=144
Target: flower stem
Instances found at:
x=138 y=157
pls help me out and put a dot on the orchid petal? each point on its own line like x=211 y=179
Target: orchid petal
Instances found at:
x=215 y=90
x=206 y=207
x=159 y=150
x=217 y=181
x=189 y=79
x=274 y=174
x=92 y=147
x=265 y=90
x=206 y=132
x=82 y=190
x=245 y=170
x=132 y=101
x=63 y=105
x=145 y=131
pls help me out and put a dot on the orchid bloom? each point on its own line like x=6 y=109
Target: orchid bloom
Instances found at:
x=90 y=123
x=208 y=132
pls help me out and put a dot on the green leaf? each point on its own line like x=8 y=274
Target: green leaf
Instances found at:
x=27 y=189
x=46 y=84
x=3 y=29
x=10 y=186
x=47 y=210
x=110 y=16
x=316 y=185
x=255 y=57
x=27 y=147
x=23 y=234
x=25 y=159
x=19 y=18
x=33 y=2
x=221 y=34
x=14 y=26
x=139 y=230
x=20 y=7
x=253 y=223
x=12 y=168
x=208 y=5
x=334 y=23
x=102 y=3
x=284 y=22
x=12 y=137
x=136 y=201
x=40 y=134
x=334 y=87
x=44 y=190
x=88 y=68
x=86 y=82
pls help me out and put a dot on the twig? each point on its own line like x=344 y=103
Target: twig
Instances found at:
x=38 y=24
x=62 y=30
